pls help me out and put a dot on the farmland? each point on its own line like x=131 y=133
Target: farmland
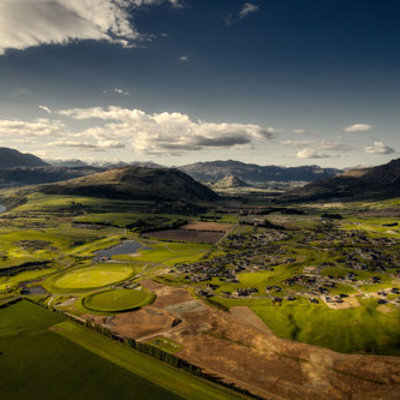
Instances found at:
x=202 y=232
x=25 y=343
x=306 y=276
x=29 y=335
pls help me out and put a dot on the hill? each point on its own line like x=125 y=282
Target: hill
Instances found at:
x=11 y=158
x=136 y=183
x=24 y=176
x=230 y=182
x=368 y=183
x=255 y=174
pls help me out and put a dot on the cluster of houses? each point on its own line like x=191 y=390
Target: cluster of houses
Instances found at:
x=252 y=252
x=258 y=254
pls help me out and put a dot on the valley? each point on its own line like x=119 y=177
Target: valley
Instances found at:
x=232 y=287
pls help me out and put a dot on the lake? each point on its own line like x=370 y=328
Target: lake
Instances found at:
x=126 y=247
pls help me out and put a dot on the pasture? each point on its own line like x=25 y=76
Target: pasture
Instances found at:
x=38 y=363
x=182 y=384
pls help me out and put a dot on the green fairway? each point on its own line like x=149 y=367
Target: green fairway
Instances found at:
x=36 y=363
x=95 y=276
x=118 y=300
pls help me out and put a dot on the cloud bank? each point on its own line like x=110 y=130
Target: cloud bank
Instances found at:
x=101 y=129
x=165 y=132
x=379 y=148
x=28 y=23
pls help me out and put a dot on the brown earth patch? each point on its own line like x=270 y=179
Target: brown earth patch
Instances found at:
x=383 y=308
x=348 y=302
x=232 y=346
x=207 y=226
x=247 y=316
x=143 y=323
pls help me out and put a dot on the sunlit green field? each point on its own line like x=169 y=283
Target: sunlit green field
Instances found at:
x=25 y=276
x=118 y=300
x=94 y=276
x=38 y=363
x=44 y=357
x=44 y=229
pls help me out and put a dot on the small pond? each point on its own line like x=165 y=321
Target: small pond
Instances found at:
x=2 y=208
x=33 y=290
x=126 y=247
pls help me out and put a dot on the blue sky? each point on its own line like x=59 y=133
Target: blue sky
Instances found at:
x=288 y=82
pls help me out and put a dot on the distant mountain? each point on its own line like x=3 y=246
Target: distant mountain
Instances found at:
x=147 y=164
x=230 y=182
x=255 y=174
x=367 y=183
x=11 y=158
x=74 y=163
x=136 y=183
x=24 y=176
x=122 y=164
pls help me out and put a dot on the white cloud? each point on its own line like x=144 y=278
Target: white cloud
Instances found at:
x=295 y=143
x=122 y=92
x=184 y=58
x=308 y=153
x=99 y=145
x=379 y=148
x=322 y=145
x=358 y=128
x=166 y=132
x=38 y=127
x=27 y=23
x=248 y=8
x=46 y=109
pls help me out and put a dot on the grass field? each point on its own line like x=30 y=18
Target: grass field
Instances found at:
x=351 y=330
x=37 y=363
x=98 y=275
x=168 y=253
x=25 y=276
x=118 y=300
x=178 y=382
x=44 y=229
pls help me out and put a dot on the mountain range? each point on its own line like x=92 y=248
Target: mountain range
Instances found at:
x=253 y=174
x=151 y=181
x=18 y=169
x=377 y=183
x=10 y=158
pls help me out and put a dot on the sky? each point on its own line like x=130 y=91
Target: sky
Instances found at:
x=285 y=82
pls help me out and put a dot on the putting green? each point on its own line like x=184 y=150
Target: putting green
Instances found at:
x=118 y=300
x=92 y=277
